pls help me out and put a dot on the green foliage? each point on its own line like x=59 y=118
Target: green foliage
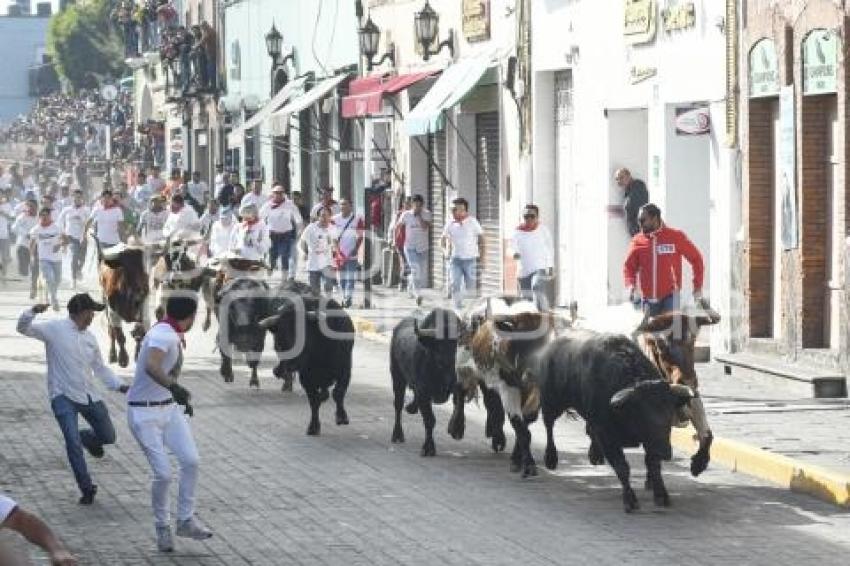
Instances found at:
x=85 y=45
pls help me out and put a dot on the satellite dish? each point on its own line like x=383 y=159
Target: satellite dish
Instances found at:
x=109 y=92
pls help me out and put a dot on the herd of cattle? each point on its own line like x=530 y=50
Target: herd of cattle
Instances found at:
x=630 y=390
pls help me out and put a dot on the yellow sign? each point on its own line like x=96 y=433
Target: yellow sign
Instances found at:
x=476 y=20
x=679 y=17
x=640 y=74
x=639 y=21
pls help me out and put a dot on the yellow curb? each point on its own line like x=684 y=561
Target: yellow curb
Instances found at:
x=826 y=485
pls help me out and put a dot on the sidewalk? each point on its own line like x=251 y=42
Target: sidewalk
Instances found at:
x=756 y=428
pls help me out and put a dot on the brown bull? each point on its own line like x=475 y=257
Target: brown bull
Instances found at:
x=125 y=291
x=668 y=340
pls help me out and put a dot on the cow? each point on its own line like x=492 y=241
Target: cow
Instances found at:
x=622 y=397
x=125 y=289
x=313 y=337
x=176 y=270
x=668 y=341
x=504 y=335
x=422 y=357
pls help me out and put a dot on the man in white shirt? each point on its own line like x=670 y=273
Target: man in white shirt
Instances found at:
x=73 y=356
x=317 y=243
x=46 y=244
x=221 y=233
x=7 y=216
x=35 y=530
x=141 y=193
x=152 y=221
x=466 y=240
x=532 y=246
x=284 y=221
x=256 y=196
x=154 y=181
x=156 y=412
x=250 y=238
x=22 y=227
x=327 y=201
x=198 y=189
x=72 y=220
x=349 y=228
x=108 y=219
x=416 y=223
x=181 y=218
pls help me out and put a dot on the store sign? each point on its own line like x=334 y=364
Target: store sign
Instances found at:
x=683 y=16
x=357 y=154
x=692 y=121
x=640 y=74
x=764 y=69
x=639 y=21
x=476 y=20
x=820 y=62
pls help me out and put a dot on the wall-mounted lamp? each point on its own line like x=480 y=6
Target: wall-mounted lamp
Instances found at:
x=720 y=24
x=274 y=47
x=426 y=23
x=370 y=38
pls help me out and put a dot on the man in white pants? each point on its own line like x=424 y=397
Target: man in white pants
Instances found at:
x=157 y=414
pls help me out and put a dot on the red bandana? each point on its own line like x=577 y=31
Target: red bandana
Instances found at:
x=249 y=223
x=524 y=228
x=173 y=324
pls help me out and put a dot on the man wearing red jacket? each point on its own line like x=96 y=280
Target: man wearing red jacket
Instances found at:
x=654 y=260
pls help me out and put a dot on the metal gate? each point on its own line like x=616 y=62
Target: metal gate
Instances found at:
x=487 y=199
x=437 y=205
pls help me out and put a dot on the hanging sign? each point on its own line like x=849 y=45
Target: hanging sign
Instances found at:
x=476 y=20
x=764 y=69
x=692 y=121
x=683 y=16
x=820 y=62
x=639 y=22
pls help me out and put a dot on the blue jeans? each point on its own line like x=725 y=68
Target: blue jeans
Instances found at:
x=463 y=273
x=536 y=286
x=52 y=271
x=347 y=278
x=316 y=278
x=281 y=249
x=418 y=263
x=77 y=259
x=102 y=432
x=662 y=305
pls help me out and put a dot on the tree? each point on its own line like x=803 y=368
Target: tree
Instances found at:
x=84 y=44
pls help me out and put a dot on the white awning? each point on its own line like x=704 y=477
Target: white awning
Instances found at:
x=280 y=119
x=292 y=88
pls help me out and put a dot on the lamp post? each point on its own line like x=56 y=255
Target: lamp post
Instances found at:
x=274 y=47
x=370 y=38
x=426 y=24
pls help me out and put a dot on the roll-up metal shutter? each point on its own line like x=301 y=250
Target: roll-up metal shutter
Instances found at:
x=487 y=200
x=437 y=204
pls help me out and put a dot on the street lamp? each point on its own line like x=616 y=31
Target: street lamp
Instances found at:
x=426 y=24
x=274 y=47
x=274 y=41
x=370 y=37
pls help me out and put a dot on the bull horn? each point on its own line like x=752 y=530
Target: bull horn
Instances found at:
x=710 y=317
x=622 y=397
x=269 y=322
x=658 y=323
x=680 y=390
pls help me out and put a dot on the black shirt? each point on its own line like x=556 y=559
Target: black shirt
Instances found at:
x=636 y=197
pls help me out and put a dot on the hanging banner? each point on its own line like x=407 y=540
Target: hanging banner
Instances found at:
x=764 y=69
x=820 y=62
x=788 y=167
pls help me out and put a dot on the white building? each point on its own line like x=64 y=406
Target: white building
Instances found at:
x=22 y=42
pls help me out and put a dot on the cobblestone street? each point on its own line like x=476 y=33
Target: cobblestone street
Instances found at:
x=276 y=496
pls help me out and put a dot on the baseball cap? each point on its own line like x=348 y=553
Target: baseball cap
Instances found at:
x=83 y=302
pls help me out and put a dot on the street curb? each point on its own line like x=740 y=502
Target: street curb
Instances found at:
x=826 y=485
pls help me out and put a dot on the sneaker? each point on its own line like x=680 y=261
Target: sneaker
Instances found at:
x=88 y=496
x=164 y=541
x=192 y=528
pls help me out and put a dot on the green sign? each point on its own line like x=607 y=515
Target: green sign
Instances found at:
x=820 y=62
x=764 y=69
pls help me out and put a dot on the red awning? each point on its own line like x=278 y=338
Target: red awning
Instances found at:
x=366 y=95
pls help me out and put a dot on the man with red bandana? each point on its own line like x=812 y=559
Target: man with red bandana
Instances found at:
x=654 y=261
x=250 y=239
x=181 y=218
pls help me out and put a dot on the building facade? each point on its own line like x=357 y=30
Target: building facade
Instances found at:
x=22 y=41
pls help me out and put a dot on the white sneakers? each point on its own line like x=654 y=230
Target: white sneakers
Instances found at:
x=190 y=528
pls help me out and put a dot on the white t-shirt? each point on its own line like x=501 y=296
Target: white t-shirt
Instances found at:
x=415 y=230
x=534 y=248
x=106 y=221
x=7 y=505
x=250 y=241
x=162 y=337
x=199 y=191
x=347 y=232
x=24 y=223
x=463 y=237
x=314 y=213
x=255 y=199
x=281 y=218
x=319 y=243
x=220 y=236
x=151 y=225
x=72 y=219
x=48 y=238
x=185 y=219
x=5 y=209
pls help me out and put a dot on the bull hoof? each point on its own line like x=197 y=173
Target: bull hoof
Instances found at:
x=228 y=378
x=287 y=383
x=255 y=382
x=113 y=357
x=398 y=435
x=661 y=499
x=428 y=449
x=551 y=458
x=314 y=428
x=630 y=501
x=341 y=417
x=699 y=461
x=457 y=426
x=529 y=471
x=412 y=408
x=595 y=455
x=498 y=442
x=123 y=359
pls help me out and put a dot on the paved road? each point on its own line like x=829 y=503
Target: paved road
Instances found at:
x=274 y=496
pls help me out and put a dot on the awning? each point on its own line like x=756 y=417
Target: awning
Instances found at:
x=280 y=119
x=366 y=95
x=451 y=88
x=234 y=138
